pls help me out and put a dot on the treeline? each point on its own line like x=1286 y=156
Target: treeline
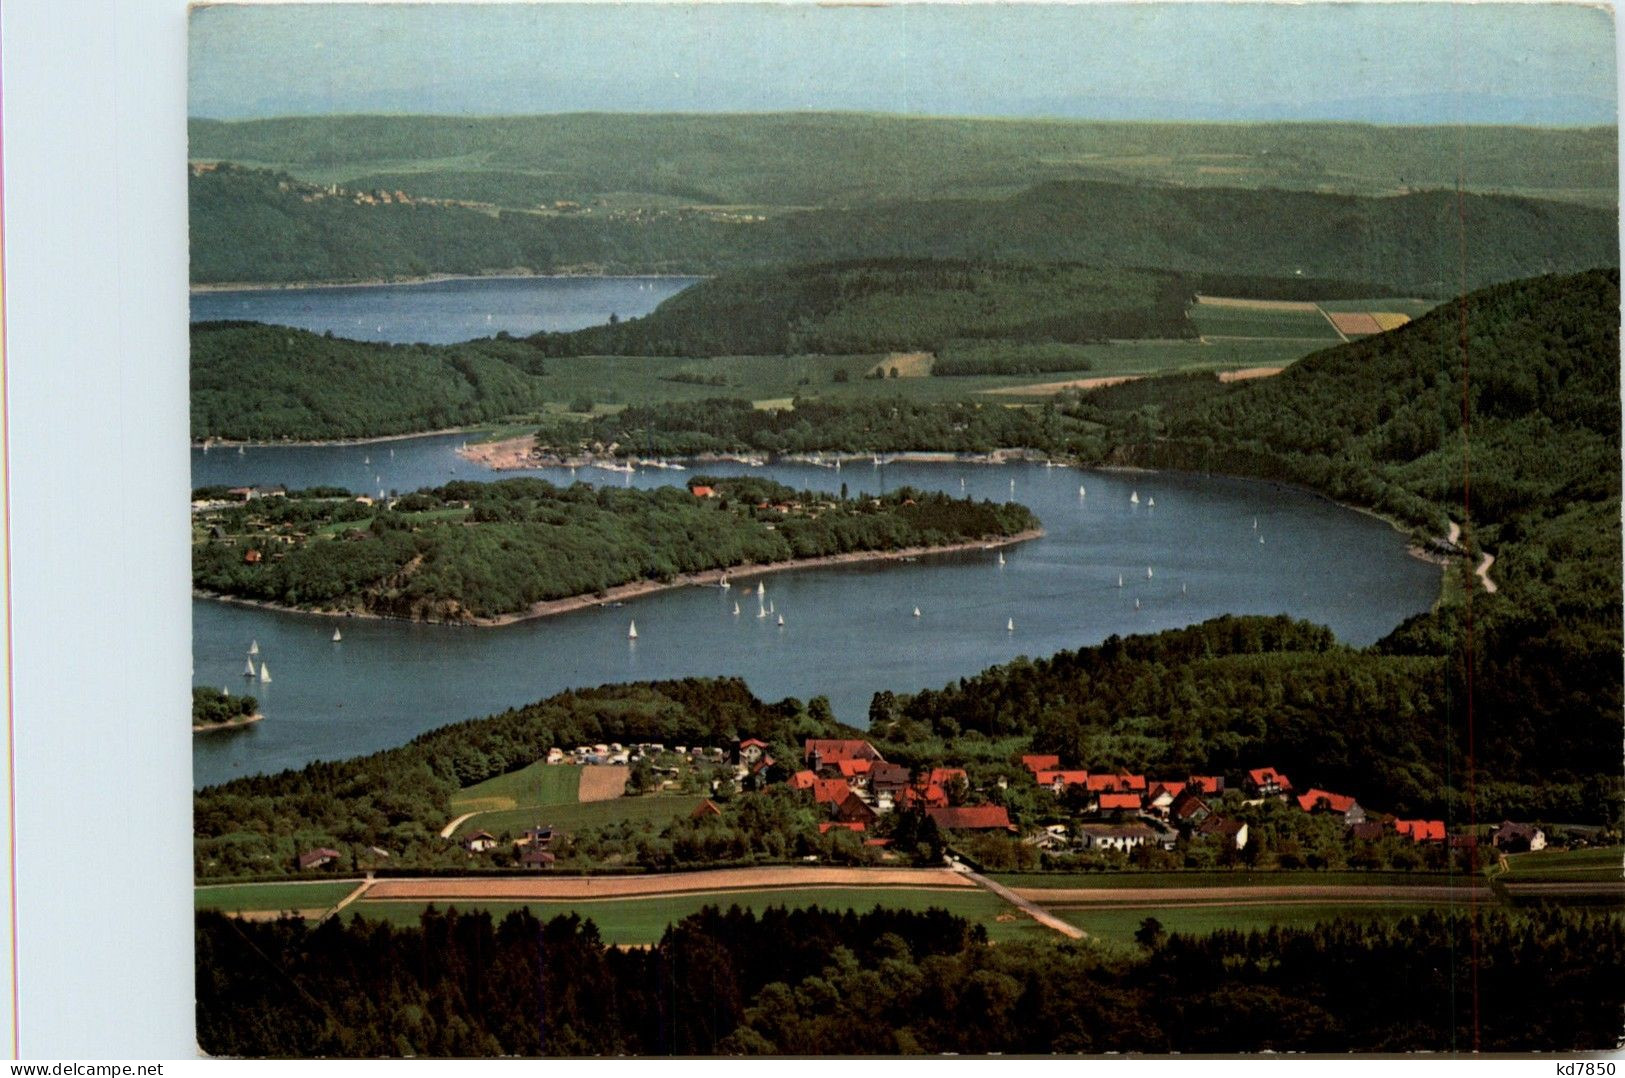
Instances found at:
x=398 y=799
x=251 y=225
x=694 y=428
x=257 y=382
x=893 y=305
x=816 y=983
x=969 y=358
x=212 y=707
x=468 y=550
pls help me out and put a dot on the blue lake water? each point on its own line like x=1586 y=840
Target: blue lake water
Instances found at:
x=442 y=312
x=848 y=632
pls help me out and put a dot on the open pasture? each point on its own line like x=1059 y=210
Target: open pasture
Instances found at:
x=659 y=809
x=538 y=784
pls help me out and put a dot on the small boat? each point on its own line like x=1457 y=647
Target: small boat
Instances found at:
x=770 y=609
x=724 y=585
x=781 y=621
x=1261 y=539
x=1182 y=589
x=1134 y=498
x=736 y=610
x=391 y=454
x=1148 y=572
x=241 y=451
x=761 y=612
x=1010 y=625
x=632 y=631
x=337 y=636
x=265 y=674
x=1151 y=503
x=1255 y=524
x=1001 y=557
x=916 y=611
x=248 y=669
x=1136 y=604
x=366 y=460
x=1081 y=491
x=1119 y=579
x=761 y=588
x=254 y=647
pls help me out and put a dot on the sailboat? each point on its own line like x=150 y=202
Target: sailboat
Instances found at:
x=736 y=610
x=1134 y=498
x=1001 y=557
x=1148 y=572
x=1119 y=579
x=1151 y=503
x=725 y=585
x=1182 y=589
x=391 y=454
x=254 y=647
x=1081 y=491
x=240 y=451
x=1136 y=604
x=770 y=609
x=248 y=669
x=1010 y=625
x=366 y=460
x=632 y=631
x=265 y=674
x=761 y=612
x=781 y=621
x=337 y=636
x=916 y=611
x=761 y=589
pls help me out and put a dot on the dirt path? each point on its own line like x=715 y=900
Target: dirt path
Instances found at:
x=451 y=828
x=349 y=898
x=1042 y=916
x=685 y=883
x=1455 y=533
x=1483 y=572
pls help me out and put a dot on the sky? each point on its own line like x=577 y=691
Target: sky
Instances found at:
x=1533 y=63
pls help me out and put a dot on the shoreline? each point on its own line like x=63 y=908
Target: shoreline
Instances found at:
x=432 y=278
x=235 y=724
x=371 y=439
x=637 y=589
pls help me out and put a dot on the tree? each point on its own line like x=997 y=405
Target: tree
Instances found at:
x=1150 y=934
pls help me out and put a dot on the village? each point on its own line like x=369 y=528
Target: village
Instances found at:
x=1072 y=818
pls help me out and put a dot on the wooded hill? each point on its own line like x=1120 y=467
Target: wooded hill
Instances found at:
x=833 y=159
x=252 y=381
x=254 y=225
x=469 y=551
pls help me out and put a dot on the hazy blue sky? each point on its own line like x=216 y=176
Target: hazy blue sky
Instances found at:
x=1390 y=63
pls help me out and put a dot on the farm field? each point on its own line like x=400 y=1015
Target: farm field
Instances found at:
x=660 y=808
x=1140 y=880
x=537 y=784
x=1116 y=927
x=1214 y=320
x=319 y=894
x=644 y=920
x=1604 y=865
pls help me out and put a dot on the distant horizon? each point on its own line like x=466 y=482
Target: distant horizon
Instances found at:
x=1384 y=64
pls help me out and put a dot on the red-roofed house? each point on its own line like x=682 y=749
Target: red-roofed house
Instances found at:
x=942 y=776
x=803 y=780
x=972 y=818
x=1188 y=808
x=832 y=825
x=853 y=809
x=1119 y=803
x=1058 y=781
x=855 y=772
x=317 y=858
x=1421 y=830
x=1207 y=785
x=885 y=778
x=1160 y=798
x=703 y=491
x=705 y=808
x=827 y=752
x=1268 y=782
x=1340 y=804
x=1036 y=764
x=1120 y=783
x=922 y=797
x=830 y=791
x=751 y=750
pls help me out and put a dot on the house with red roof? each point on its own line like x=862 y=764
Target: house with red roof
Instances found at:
x=821 y=753
x=1188 y=809
x=918 y=796
x=802 y=781
x=1207 y=785
x=830 y=791
x=836 y=825
x=1120 y=783
x=1224 y=829
x=1421 y=830
x=1035 y=763
x=1160 y=797
x=853 y=809
x=1268 y=782
x=751 y=750
x=1125 y=802
x=317 y=858
x=1324 y=801
x=855 y=772
x=1058 y=781
x=971 y=818
x=703 y=491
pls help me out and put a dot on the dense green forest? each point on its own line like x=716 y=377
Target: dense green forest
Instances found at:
x=254 y=381
x=830 y=159
x=468 y=551
x=398 y=799
x=252 y=225
x=814 y=982
x=886 y=305
x=881 y=425
x=211 y=707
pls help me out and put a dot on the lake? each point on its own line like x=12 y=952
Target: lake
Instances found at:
x=444 y=311
x=1212 y=545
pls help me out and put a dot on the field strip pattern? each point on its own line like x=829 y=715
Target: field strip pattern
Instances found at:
x=565 y=888
x=1127 y=896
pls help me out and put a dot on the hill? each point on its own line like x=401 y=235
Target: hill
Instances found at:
x=254 y=225
x=253 y=381
x=778 y=161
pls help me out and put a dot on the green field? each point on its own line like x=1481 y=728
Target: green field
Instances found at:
x=272 y=896
x=661 y=808
x=1416 y=308
x=1216 y=321
x=1601 y=865
x=1117 y=926
x=644 y=920
x=538 y=784
x=1293 y=878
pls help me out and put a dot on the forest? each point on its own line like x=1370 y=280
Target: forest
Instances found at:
x=252 y=225
x=252 y=381
x=469 y=551
x=815 y=982
x=211 y=707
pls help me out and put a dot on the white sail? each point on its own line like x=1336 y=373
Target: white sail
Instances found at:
x=248 y=668
x=632 y=631
x=781 y=621
x=1136 y=604
x=761 y=588
x=366 y=460
x=1081 y=491
x=1134 y=497
x=337 y=636
x=736 y=610
x=265 y=674
x=916 y=611
x=725 y=585
x=761 y=612
x=254 y=647
x=1182 y=589
x=1010 y=625
x=1151 y=503
x=770 y=609
x=1148 y=572
x=1001 y=557
x=1119 y=579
